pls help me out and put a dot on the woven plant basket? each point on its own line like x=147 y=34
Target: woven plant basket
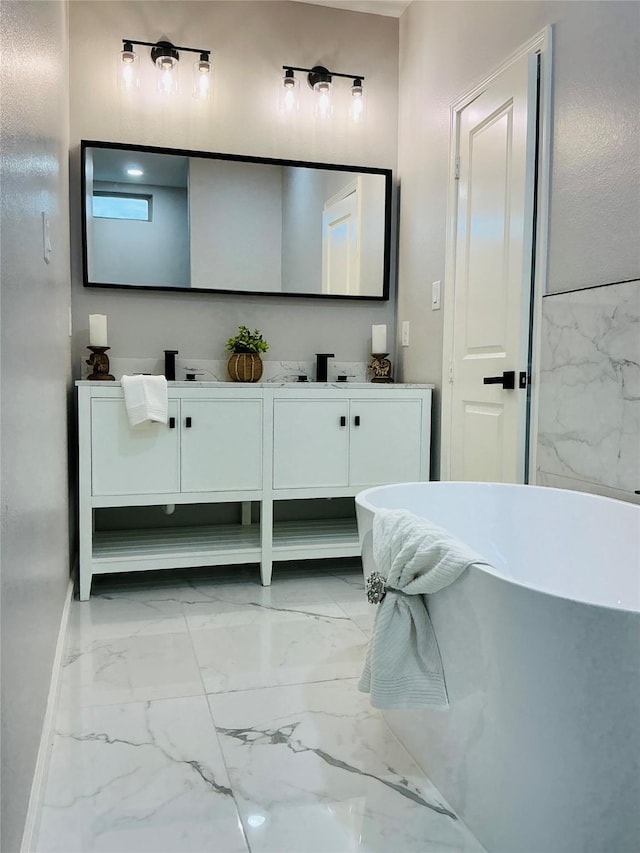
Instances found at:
x=245 y=367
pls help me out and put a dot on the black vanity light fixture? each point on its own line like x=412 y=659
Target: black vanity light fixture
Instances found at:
x=165 y=56
x=320 y=79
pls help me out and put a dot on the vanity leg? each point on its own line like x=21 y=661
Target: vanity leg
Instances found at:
x=86 y=530
x=266 y=542
x=85 y=583
x=266 y=567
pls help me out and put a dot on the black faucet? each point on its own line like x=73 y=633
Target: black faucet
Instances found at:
x=321 y=365
x=170 y=364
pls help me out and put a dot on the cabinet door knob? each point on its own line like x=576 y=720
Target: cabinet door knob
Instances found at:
x=172 y=423
x=343 y=421
x=356 y=420
x=187 y=423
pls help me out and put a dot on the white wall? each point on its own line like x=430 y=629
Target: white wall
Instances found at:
x=446 y=48
x=35 y=383
x=235 y=211
x=250 y=43
x=127 y=251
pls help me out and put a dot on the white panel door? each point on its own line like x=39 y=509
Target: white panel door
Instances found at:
x=140 y=460
x=221 y=445
x=386 y=441
x=493 y=279
x=341 y=246
x=310 y=443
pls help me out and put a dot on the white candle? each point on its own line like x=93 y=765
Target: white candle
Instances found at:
x=98 y=330
x=379 y=339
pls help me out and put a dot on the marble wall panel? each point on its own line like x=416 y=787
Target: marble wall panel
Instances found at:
x=589 y=415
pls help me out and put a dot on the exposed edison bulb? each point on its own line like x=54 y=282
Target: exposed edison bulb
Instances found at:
x=289 y=97
x=202 y=77
x=167 y=75
x=324 y=101
x=128 y=69
x=356 y=108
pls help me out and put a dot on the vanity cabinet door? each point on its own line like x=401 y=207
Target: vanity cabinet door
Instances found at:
x=221 y=445
x=310 y=443
x=386 y=441
x=125 y=460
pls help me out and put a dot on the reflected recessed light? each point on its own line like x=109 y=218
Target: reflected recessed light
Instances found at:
x=256 y=820
x=135 y=173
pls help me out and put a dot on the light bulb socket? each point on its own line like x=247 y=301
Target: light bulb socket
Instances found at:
x=203 y=65
x=128 y=68
x=356 y=88
x=321 y=77
x=164 y=55
x=289 y=81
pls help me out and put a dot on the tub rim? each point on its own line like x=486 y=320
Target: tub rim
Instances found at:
x=488 y=568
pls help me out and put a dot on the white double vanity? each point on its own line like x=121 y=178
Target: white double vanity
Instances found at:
x=256 y=446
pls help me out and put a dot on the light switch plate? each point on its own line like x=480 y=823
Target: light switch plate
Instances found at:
x=405 y=333
x=435 y=296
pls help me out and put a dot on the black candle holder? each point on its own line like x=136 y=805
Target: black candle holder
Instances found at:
x=99 y=361
x=380 y=367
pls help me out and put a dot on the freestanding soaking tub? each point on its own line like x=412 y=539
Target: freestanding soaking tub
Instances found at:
x=539 y=751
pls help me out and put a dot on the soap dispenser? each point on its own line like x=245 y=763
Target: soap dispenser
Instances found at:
x=321 y=365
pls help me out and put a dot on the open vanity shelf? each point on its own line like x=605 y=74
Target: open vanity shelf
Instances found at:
x=301 y=540
x=256 y=473
x=166 y=548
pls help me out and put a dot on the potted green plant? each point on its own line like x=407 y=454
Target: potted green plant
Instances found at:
x=245 y=364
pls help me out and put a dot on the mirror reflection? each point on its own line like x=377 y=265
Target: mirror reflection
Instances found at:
x=159 y=219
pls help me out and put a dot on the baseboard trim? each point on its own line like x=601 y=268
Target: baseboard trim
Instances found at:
x=36 y=797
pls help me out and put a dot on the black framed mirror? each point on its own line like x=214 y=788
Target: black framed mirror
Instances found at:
x=172 y=219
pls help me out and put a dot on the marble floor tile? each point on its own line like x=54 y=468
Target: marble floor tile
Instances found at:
x=249 y=646
x=127 y=669
x=136 y=763
x=138 y=778
x=226 y=590
x=355 y=605
x=352 y=600
x=314 y=769
x=125 y=613
x=364 y=621
x=353 y=577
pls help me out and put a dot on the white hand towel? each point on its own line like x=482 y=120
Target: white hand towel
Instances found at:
x=403 y=668
x=146 y=398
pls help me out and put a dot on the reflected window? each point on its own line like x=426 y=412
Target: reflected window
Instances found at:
x=108 y=205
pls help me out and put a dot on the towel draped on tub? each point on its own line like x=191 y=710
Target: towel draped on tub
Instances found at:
x=403 y=668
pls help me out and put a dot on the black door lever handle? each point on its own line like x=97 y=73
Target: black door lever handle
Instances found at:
x=507 y=380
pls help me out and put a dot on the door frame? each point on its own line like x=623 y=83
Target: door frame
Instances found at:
x=540 y=44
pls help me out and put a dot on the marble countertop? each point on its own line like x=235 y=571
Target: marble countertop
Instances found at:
x=317 y=385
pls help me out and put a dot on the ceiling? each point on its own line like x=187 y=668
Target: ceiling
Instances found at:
x=390 y=8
